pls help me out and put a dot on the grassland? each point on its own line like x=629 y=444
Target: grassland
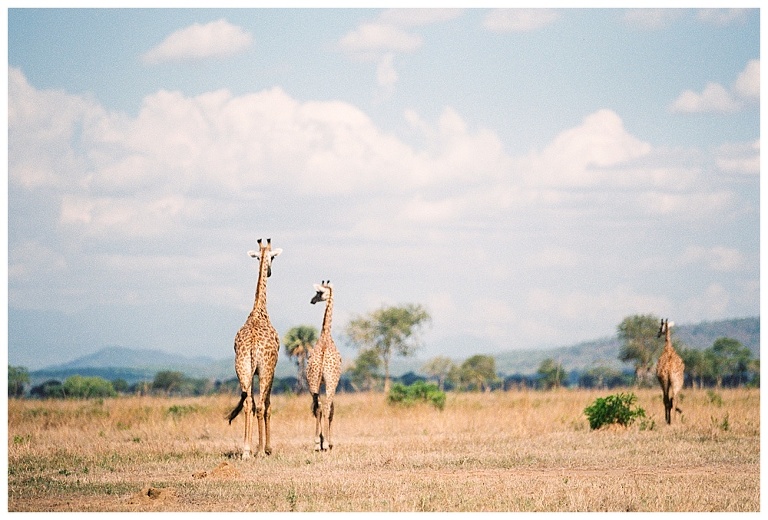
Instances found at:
x=512 y=451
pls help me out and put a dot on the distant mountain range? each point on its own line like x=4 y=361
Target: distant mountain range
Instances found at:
x=605 y=351
x=135 y=365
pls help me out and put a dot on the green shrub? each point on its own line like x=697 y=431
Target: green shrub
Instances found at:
x=614 y=409
x=180 y=410
x=418 y=391
x=80 y=387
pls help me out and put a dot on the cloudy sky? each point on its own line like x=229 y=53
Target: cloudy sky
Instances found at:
x=531 y=177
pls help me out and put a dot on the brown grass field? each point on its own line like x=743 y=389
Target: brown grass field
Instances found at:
x=503 y=451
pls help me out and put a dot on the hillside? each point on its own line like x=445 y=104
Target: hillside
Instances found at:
x=605 y=351
x=140 y=365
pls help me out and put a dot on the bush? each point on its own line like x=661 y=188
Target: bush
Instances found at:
x=614 y=409
x=80 y=387
x=418 y=391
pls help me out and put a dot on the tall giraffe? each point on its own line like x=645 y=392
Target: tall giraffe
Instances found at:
x=256 y=347
x=324 y=366
x=669 y=369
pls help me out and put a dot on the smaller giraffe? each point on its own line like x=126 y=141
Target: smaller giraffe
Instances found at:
x=669 y=369
x=324 y=366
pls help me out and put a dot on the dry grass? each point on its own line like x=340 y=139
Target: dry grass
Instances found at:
x=514 y=451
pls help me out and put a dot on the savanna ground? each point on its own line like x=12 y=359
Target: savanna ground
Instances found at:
x=503 y=451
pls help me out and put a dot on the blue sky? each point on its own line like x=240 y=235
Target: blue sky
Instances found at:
x=530 y=176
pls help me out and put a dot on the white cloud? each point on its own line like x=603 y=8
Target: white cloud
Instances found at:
x=29 y=259
x=716 y=98
x=689 y=206
x=380 y=41
x=748 y=83
x=739 y=158
x=187 y=165
x=386 y=75
x=575 y=155
x=519 y=20
x=718 y=258
x=198 y=41
x=376 y=38
x=722 y=17
x=650 y=19
x=41 y=125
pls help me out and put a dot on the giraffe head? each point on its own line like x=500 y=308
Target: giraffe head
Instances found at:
x=267 y=252
x=323 y=292
x=665 y=325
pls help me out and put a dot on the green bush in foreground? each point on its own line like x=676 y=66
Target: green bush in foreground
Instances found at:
x=418 y=391
x=614 y=409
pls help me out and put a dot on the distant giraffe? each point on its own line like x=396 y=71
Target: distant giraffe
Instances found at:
x=669 y=369
x=324 y=366
x=256 y=348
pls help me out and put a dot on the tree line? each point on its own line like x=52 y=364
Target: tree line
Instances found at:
x=390 y=331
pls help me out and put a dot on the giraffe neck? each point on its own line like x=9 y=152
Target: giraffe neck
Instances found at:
x=328 y=317
x=668 y=340
x=260 y=300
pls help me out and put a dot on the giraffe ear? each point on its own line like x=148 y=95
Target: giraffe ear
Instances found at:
x=317 y=287
x=253 y=254
x=274 y=253
x=670 y=324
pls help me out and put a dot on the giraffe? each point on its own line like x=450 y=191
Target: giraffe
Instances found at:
x=669 y=370
x=324 y=366
x=256 y=348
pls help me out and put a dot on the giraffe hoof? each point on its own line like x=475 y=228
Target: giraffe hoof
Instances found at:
x=267 y=451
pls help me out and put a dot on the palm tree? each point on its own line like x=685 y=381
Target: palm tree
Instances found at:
x=298 y=343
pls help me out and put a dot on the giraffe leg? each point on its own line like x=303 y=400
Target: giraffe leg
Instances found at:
x=328 y=416
x=330 y=421
x=267 y=427
x=248 y=435
x=317 y=411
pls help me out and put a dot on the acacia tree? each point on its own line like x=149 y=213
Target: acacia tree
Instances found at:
x=387 y=331
x=298 y=343
x=364 y=374
x=17 y=378
x=698 y=365
x=729 y=358
x=640 y=344
x=440 y=368
x=479 y=371
x=551 y=373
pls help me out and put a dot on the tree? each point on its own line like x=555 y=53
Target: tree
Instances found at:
x=389 y=330
x=439 y=368
x=479 y=371
x=364 y=374
x=49 y=389
x=698 y=365
x=298 y=343
x=640 y=344
x=17 y=378
x=168 y=381
x=729 y=359
x=601 y=376
x=551 y=373
x=81 y=387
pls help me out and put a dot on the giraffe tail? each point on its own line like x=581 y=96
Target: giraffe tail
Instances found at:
x=315 y=404
x=234 y=413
